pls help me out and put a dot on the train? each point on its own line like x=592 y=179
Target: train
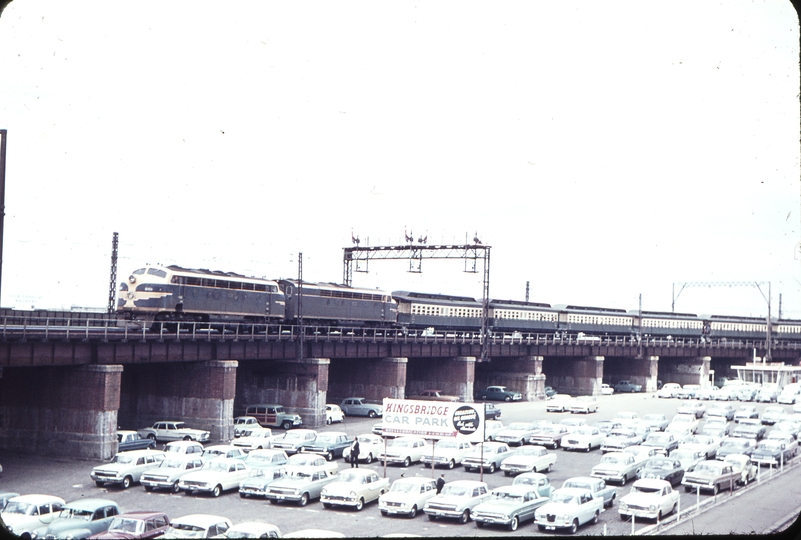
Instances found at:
x=173 y=294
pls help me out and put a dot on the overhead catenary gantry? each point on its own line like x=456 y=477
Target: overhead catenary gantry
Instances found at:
x=357 y=259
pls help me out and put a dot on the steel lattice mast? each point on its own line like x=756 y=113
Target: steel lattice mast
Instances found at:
x=112 y=283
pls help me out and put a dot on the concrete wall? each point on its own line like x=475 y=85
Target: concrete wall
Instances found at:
x=685 y=370
x=575 y=376
x=523 y=374
x=374 y=379
x=454 y=376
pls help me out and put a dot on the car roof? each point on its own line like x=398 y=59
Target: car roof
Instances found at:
x=144 y=452
x=90 y=504
x=202 y=519
x=517 y=489
x=415 y=480
x=142 y=514
x=651 y=483
x=466 y=483
x=36 y=498
x=574 y=491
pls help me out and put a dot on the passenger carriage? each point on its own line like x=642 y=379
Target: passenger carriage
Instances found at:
x=423 y=310
x=337 y=305
x=524 y=316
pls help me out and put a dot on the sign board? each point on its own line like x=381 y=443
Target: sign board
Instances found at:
x=433 y=419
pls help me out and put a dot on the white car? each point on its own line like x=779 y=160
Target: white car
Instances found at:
x=126 y=467
x=668 y=390
x=487 y=456
x=559 y=403
x=407 y=496
x=198 y=526
x=215 y=477
x=333 y=414
x=244 y=423
x=26 y=513
x=491 y=428
x=528 y=459
x=569 y=508
x=169 y=472
x=649 y=498
x=693 y=407
x=688 y=420
x=223 y=451
x=354 y=487
x=584 y=404
x=516 y=433
x=173 y=431
x=370 y=446
x=703 y=443
x=456 y=500
x=189 y=448
x=743 y=464
x=253 y=529
x=607 y=390
x=292 y=440
x=583 y=438
x=448 y=453
x=688 y=457
x=404 y=450
x=255 y=439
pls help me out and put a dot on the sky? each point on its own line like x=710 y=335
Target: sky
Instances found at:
x=604 y=150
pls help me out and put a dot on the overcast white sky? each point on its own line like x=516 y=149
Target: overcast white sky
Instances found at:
x=603 y=149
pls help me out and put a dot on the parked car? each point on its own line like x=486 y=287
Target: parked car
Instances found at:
x=359 y=406
x=668 y=390
x=707 y=393
x=188 y=448
x=550 y=435
x=500 y=393
x=583 y=438
x=6 y=496
x=273 y=415
x=731 y=445
x=354 y=488
x=223 y=451
x=650 y=499
x=130 y=440
x=606 y=426
x=257 y=438
x=549 y=392
x=616 y=467
x=627 y=386
x=404 y=450
x=528 y=459
x=584 y=404
x=215 y=477
x=663 y=442
x=253 y=529
x=491 y=412
x=688 y=421
x=744 y=412
x=773 y=452
x=266 y=459
x=135 y=525
x=618 y=439
x=330 y=444
x=662 y=468
x=687 y=391
x=169 y=472
x=568 y=508
x=258 y=481
x=724 y=410
x=716 y=426
x=407 y=496
x=706 y=444
x=24 y=514
x=749 y=428
x=370 y=446
x=773 y=414
x=742 y=464
x=293 y=440
x=488 y=459
x=307 y=460
x=693 y=407
x=516 y=433
x=80 y=519
x=559 y=403
x=448 y=453
x=198 y=526
x=333 y=413
x=597 y=486
x=688 y=457
x=243 y=423
x=767 y=394
x=657 y=422
x=456 y=500
x=173 y=431
x=508 y=506
x=607 y=390
x=433 y=395
x=301 y=485
x=711 y=475
x=538 y=480
x=126 y=467
x=491 y=429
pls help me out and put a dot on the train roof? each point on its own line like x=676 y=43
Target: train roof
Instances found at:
x=736 y=318
x=662 y=313
x=431 y=296
x=518 y=303
x=332 y=286
x=588 y=308
x=211 y=273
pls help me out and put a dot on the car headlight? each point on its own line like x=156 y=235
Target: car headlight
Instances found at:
x=352 y=493
x=652 y=508
x=297 y=492
x=324 y=491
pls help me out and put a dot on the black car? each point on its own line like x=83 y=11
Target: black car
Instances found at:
x=549 y=392
x=663 y=469
x=491 y=412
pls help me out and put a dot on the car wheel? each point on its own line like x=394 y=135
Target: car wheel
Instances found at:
x=384 y=513
x=513 y=524
x=483 y=397
x=659 y=516
x=672 y=510
x=491 y=468
x=541 y=527
x=99 y=483
x=451 y=464
x=329 y=456
x=574 y=526
x=369 y=458
x=217 y=491
x=687 y=489
x=589 y=447
x=328 y=421
x=413 y=513
x=465 y=517
x=595 y=517
x=243 y=495
x=507 y=473
x=612 y=500
x=304 y=500
x=432 y=517
x=126 y=482
x=287 y=425
x=327 y=505
x=480 y=524
x=507 y=399
x=187 y=438
x=275 y=501
x=371 y=414
x=175 y=488
x=359 y=504
x=623 y=517
x=715 y=489
x=408 y=461
x=148 y=488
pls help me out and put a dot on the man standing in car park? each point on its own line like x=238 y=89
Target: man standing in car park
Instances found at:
x=354 y=453
x=440 y=482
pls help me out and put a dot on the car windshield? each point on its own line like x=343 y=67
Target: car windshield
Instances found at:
x=301 y=460
x=563 y=498
x=294 y=436
x=404 y=487
x=584 y=430
x=216 y=466
x=770 y=445
x=258 y=458
x=297 y=475
x=456 y=491
x=683 y=454
x=645 y=489
x=519 y=426
x=326 y=438
x=400 y=443
x=529 y=451
x=623 y=434
x=76 y=513
x=123 y=459
x=351 y=477
x=576 y=484
x=442 y=445
x=16 y=507
x=707 y=468
x=119 y=524
x=172 y=464
x=506 y=496
x=525 y=480
x=185 y=530
x=658 y=439
x=660 y=464
x=734 y=444
x=255 y=473
x=612 y=460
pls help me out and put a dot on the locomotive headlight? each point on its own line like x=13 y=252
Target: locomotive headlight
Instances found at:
x=132 y=279
x=130 y=296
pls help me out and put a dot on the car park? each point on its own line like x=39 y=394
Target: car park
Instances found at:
x=198 y=526
x=657 y=422
x=128 y=440
x=169 y=472
x=253 y=529
x=569 y=508
x=650 y=499
x=456 y=500
x=404 y=450
x=583 y=438
x=508 y=506
x=693 y=407
x=273 y=415
x=627 y=386
x=293 y=440
x=257 y=438
x=528 y=459
x=711 y=475
x=597 y=486
x=662 y=468
x=243 y=423
x=215 y=477
x=487 y=456
x=549 y=435
x=731 y=445
x=617 y=467
x=501 y=393
x=447 y=453
x=584 y=404
x=407 y=496
x=330 y=444
x=516 y=433
x=749 y=428
x=173 y=431
x=559 y=403
x=126 y=467
x=333 y=413
x=618 y=439
x=80 y=519
x=135 y=525
x=370 y=446
x=258 y=481
x=541 y=482
x=354 y=488
x=359 y=406
x=300 y=485
x=26 y=513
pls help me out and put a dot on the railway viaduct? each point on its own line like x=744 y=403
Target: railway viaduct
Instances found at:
x=67 y=390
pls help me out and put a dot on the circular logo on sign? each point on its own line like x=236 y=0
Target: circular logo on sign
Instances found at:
x=466 y=420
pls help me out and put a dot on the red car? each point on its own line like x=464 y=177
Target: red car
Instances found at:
x=136 y=525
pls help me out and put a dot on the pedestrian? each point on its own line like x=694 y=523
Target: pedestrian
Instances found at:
x=440 y=482
x=354 y=453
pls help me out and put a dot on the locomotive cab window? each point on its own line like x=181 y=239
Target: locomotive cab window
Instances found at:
x=156 y=272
